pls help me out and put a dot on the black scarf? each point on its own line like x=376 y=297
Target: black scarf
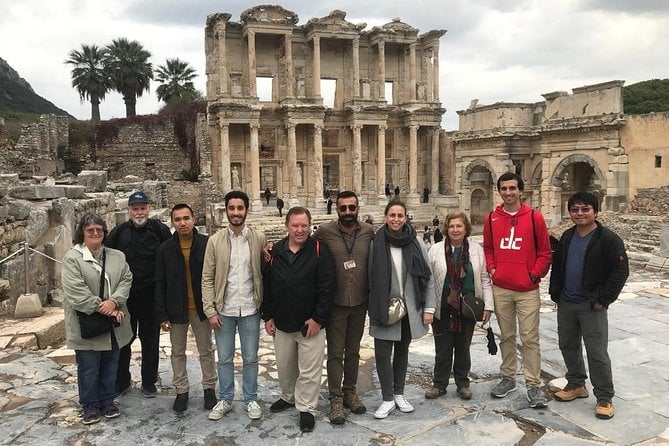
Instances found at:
x=456 y=271
x=381 y=271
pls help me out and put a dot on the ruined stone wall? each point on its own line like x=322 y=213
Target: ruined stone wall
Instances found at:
x=590 y=100
x=495 y=116
x=645 y=139
x=148 y=150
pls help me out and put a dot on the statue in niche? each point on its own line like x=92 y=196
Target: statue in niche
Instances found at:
x=300 y=173
x=235 y=178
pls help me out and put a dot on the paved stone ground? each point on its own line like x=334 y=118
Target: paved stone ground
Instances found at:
x=38 y=396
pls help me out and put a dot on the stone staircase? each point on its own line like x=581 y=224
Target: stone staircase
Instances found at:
x=641 y=234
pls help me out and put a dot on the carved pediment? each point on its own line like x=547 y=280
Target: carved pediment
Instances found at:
x=336 y=20
x=271 y=14
x=213 y=19
x=397 y=26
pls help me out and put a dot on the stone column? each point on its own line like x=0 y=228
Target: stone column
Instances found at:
x=256 y=202
x=412 y=72
x=413 y=159
x=318 y=166
x=251 y=40
x=224 y=180
x=222 y=60
x=382 y=71
x=357 y=158
x=381 y=165
x=434 y=188
x=288 y=53
x=292 y=166
x=316 y=69
x=435 y=73
x=356 y=67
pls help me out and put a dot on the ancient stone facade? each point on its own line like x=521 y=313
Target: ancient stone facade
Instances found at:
x=324 y=106
x=567 y=143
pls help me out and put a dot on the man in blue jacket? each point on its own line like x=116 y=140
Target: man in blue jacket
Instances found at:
x=178 y=301
x=590 y=268
x=299 y=288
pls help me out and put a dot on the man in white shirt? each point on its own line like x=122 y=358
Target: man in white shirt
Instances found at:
x=231 y=296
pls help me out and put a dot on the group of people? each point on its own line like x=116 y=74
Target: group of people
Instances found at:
x=309 y=289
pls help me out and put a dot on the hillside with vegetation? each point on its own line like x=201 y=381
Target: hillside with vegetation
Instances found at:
x=646 y=97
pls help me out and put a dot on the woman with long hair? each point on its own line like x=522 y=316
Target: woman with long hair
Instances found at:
x=398 y=271
x=459 y=268
x=96 y=280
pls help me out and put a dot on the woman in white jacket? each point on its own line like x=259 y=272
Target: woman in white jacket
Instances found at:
x=458 y=266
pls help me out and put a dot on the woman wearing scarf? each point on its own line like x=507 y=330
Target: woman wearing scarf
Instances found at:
x=459 y=268
x=97 y=357
x=398 y=267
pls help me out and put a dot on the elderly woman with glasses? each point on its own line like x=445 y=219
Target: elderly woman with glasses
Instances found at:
x=96 y=280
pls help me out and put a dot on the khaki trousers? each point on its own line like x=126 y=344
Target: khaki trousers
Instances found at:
x=299 y=363
x=523 y=307
x=205 y=347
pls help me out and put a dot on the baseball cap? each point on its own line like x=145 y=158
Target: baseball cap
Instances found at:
x=137 y=197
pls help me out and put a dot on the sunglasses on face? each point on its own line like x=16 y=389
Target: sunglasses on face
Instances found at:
x=351 y=207
x=578 y=209
x=93 y=231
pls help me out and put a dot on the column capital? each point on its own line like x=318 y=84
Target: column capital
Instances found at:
x=219 y=30
x=356 y=126
x=319 y=126
x=413 y=127
x=381 y=44
x=382 y=127
x=317 y=40
x=250 y=34
x=356 y=42
x=290 y=126
x=254 y=125
x=223 y=123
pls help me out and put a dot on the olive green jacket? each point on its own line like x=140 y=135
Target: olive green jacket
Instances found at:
x=81 y=286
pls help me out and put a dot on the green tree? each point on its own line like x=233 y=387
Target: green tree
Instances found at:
x=89 y=77
x=646 y=97
x=127 y=63
x=176 y=78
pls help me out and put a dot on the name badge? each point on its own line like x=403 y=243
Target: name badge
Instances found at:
x=349 y=264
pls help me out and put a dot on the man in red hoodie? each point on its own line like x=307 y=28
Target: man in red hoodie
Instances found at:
x=518 y=255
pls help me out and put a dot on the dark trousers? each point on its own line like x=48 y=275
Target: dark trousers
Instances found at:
x=445 y=344
x=96 y=375
x=393 y=372
x=344 y=332
x=143 y=321
x=578 y=322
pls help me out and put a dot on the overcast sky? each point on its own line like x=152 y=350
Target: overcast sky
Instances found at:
x=494 y=50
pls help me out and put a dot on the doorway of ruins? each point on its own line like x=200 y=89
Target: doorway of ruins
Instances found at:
x=331 y=173
x=481 y=185
x=577 y=173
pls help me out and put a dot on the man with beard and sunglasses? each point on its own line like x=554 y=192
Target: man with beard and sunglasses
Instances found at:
x=232 y=291
x=348 y=241
x=139 y=239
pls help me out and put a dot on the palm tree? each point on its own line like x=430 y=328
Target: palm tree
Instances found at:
x=176 y=81
x=89 y=76
x=127 y=62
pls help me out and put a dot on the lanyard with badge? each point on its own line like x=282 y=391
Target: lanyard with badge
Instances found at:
x=349 y=264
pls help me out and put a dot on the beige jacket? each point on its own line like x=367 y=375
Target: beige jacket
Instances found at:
x=217 y=265
x=81 y=286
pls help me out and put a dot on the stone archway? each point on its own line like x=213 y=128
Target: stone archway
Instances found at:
x=577 y=172
x=481 y=204
x=479 y=178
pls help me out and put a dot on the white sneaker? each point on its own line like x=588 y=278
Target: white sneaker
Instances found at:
x=220 y=409
x=384 y=409
x=254 y=410
x=403 y=404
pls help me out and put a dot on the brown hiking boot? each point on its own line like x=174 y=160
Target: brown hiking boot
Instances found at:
x=353 y=402
x=604 y=409
x=434 y=392
x=337 y=410
x=465 y=393
x=571 y=392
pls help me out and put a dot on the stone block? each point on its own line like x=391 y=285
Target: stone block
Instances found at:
x=38 y=192
x=664 y=241
x=153 y=191
x=19 y=209
x=93 y=180
x=28 y=305
x=49 y=328
x=63 y=213
x=73 y=191
x=25 y=341
x=56 y=241
x=38 y=224
x=9 y=179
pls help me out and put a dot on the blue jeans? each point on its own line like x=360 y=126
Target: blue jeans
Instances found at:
x=96 y=375
x=249 y=336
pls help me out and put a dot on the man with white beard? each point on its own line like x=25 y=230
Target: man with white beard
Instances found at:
x=139 y=239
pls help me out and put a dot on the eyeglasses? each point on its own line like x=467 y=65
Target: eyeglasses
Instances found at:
x=580 y=209
x=93 y=231
x=351 y=207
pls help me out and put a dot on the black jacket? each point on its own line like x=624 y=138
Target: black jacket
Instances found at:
x=294 y=293
x=605 y=269
x=139 y=246
x=171 y=295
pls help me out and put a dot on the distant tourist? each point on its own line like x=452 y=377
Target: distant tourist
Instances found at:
x=279 y=206
x=268 y=195
x=397 y=192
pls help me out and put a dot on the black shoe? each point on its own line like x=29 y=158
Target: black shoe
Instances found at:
x=149 y=391
x=280 y=405
x=112 y=410
x=306 y=422
x=180 y=402
x=209 y=399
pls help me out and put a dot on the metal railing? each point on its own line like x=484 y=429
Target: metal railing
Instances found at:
x=26 y=261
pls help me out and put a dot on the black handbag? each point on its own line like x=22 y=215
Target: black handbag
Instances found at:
x=96 y=324
x=471 y=307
